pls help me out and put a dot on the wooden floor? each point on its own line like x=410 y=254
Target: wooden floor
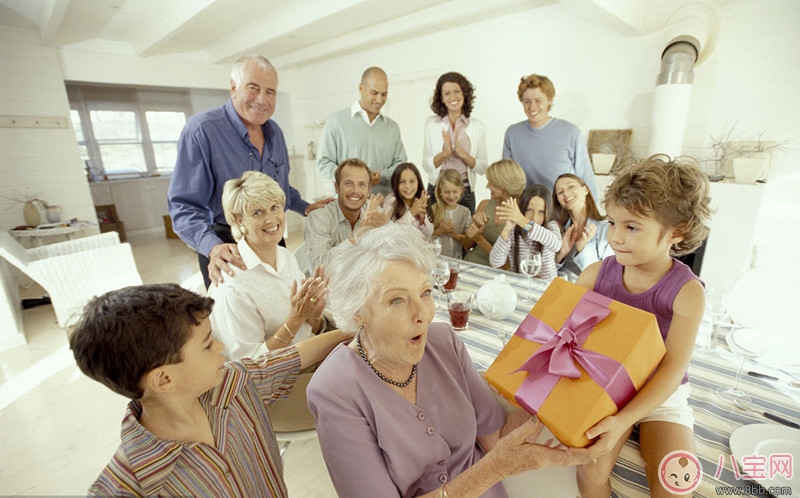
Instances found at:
x=58 y=428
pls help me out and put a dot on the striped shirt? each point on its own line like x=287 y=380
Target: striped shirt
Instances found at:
x=245 y=462
x=549 y=237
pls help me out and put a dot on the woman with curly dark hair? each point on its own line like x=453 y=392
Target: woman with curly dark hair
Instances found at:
x=453 y=139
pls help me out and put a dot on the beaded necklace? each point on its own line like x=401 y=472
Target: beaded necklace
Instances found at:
x=383 y=377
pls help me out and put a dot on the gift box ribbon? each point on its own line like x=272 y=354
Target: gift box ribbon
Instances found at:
x=560 y=351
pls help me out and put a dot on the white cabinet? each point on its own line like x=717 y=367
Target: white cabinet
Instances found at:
x=141 y=203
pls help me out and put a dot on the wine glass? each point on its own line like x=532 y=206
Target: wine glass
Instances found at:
x=440 y=274
x=531 y=267
x=715 y=305
x=748 y=344
x=436 y=246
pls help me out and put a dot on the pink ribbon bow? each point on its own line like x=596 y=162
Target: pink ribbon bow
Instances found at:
x=560 y=351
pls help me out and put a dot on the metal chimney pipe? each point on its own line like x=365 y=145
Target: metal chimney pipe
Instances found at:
x=673 y=96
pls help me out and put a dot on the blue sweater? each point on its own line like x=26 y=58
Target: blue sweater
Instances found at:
x=547 y=152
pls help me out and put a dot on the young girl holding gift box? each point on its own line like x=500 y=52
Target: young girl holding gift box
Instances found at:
x=656 y=209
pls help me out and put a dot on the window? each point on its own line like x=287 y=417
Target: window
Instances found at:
x=165 y=129
x=127 y=132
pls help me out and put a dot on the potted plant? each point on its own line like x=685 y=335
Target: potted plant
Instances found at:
x=747 y=160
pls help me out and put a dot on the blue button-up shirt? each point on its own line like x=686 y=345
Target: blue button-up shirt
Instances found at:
x=213 y=148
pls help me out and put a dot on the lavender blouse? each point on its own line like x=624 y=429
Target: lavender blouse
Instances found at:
x=376 y=443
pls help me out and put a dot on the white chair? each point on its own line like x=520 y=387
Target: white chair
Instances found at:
x=291 y=419
x=195 y=283
x=73 y=272
x=302 y=259
x=764 y=298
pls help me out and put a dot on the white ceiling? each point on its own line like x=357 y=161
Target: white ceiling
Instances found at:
x=289 y=32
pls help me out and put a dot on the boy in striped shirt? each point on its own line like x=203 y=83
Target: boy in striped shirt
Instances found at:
x=195 y=426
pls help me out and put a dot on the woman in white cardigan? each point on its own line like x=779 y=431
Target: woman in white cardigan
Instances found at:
x=453 y=139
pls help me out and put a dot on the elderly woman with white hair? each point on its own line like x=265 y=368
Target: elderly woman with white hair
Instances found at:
x=270 y=305
x=401 y=410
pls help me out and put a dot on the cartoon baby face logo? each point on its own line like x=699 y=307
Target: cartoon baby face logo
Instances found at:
x=680 y=472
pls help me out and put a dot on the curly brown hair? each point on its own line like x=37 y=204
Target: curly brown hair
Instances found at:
x=437 y=105
x=537 y=81
x=674 y=192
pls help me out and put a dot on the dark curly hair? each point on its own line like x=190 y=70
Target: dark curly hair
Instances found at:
x=674 y=192
x=437 y=105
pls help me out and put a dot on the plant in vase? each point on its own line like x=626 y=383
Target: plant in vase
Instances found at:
x=33 y=208
x=747 y=160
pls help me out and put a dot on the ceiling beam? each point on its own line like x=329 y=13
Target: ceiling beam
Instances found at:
x=429 y=20
x=283 y=21
x=169 y=24
x=626 y=17
x=51 y=13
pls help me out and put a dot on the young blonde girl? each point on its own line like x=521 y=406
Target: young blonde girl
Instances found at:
x=656 y=210
x=528 y=229
x=408 y=202
x=450 y=219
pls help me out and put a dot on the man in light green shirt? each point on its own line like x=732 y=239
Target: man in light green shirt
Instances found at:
x=361 y=131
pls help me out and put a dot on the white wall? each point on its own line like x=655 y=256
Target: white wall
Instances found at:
x=603 y=80
x=41 y=161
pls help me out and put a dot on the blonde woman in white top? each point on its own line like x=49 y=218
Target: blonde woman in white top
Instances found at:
x=270 y=305
x=454 y=139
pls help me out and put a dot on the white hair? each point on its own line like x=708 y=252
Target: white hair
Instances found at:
x=237 y=71
x=355 y=269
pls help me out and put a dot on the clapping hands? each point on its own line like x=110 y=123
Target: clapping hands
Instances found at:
x=375 y=217
x=508 y=211
x=475 y=228
x=309 y=298
x=420 y=205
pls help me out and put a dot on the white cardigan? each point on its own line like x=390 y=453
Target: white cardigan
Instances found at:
x=434 y=142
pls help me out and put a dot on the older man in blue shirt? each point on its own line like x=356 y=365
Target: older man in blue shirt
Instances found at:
x=221 y=144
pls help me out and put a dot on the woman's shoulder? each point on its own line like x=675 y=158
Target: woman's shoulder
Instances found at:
x=338 y=364
x=434 y=119
x=483 y=205
x=442 y=334
x=475 y=122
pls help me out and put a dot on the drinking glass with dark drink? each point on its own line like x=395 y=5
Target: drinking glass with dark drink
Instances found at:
x=451 y=283
x=459 y=304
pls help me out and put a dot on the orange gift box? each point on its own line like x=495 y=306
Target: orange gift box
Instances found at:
x=621 y=346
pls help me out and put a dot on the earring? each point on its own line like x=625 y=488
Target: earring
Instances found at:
x=243 y=229
x=360 y=329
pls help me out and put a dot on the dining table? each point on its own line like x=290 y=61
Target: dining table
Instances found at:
x=772 y=388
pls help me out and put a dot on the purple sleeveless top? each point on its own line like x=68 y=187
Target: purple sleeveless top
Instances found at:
x=658 y=299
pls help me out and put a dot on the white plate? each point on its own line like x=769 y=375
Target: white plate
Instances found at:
x=782 y=349
x=767 y=439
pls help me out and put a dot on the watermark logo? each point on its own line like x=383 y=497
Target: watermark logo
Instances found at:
x=680 y=472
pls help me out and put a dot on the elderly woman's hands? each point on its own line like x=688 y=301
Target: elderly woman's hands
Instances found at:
x=518 y=452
